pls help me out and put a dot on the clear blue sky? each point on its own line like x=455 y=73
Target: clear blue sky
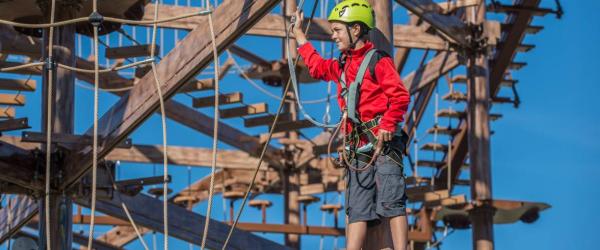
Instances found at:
x=547 y=150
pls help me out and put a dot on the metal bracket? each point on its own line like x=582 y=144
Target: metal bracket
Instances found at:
x=96 y=19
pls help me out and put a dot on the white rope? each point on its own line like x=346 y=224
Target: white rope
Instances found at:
x=95 y=134
x=215 y=129
x=164 y=132
x=49 y=126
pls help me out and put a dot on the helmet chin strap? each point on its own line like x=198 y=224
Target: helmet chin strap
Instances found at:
x=352 y=43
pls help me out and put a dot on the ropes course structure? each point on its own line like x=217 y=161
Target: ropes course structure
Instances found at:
x=290 y=159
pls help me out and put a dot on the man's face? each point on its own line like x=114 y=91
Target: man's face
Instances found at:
x=339 y=34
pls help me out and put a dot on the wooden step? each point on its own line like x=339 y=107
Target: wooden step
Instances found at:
x=455 y=96
x=462 y=115
x=17 y=84
x=252 y=109
x=461 y=97
x=525 y=47
x=197 y=85
x=451 y=114
x=508 y=82
x=224 y=99
x=265 y=120
x=7 y=112
x=260 y=203
x=534 y=11
x=10 y=99
x=14 y=124
x=292 y=126
x=462 y=79
x=517 y=65
x=446 y=201
x=435 y=147
x=444 y=130
x=142 y=50
x=430 y=164
x=533 y=29
x=459 y=79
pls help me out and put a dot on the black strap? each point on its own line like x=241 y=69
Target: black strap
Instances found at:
x=379 y=54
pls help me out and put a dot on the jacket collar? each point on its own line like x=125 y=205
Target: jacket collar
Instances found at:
x=362 y=51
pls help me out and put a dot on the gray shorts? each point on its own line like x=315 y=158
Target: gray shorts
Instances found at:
x=377 y=192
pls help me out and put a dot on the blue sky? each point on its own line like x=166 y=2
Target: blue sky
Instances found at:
x=547 y=150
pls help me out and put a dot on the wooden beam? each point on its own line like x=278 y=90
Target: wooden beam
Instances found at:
x=183 y=224
x=292 y=126
x=14 y=124
x=273 y=25
x=17 y=166
x=79 y=140
x=252 y=109
x=265 y=120
x=17 y=84
x=7 y=112
x=451 y=26
x=142 y=50
x=192 y=54
x=11 y=99
x=224 y=99
x=185 y=156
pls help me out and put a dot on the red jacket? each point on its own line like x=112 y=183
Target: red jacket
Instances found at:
x=387 y=96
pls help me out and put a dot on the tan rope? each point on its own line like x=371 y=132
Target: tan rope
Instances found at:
x=89 y=71
x=164 y=132
x=49 y=126
x=18 y=67
x=95 y=135
x=215 y=130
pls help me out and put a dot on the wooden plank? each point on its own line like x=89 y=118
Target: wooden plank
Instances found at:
x=525 y=47
x=17 y=84
x=293 y=126
x=142 y=50
x=14 y=124
x=183 y=224
x=185 y=156
x=450 y=26
x=11 y=99
x=435 y=147
x=517 y=65
x=252 y=109
x=265 y=120
x=192 y=54
x=224 y=99
x=198 y=85
x=7 y=112
x=80 y=140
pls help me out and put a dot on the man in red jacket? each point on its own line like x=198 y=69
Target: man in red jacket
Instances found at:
x=374 y=100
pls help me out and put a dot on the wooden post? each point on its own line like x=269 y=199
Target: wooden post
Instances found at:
x=383 y=34
x=479 y=140
x=62 y=119
x=291 y=180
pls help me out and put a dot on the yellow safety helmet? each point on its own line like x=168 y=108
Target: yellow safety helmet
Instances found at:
x=351 y=11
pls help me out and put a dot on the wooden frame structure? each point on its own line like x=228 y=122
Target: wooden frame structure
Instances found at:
x=456 y=31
